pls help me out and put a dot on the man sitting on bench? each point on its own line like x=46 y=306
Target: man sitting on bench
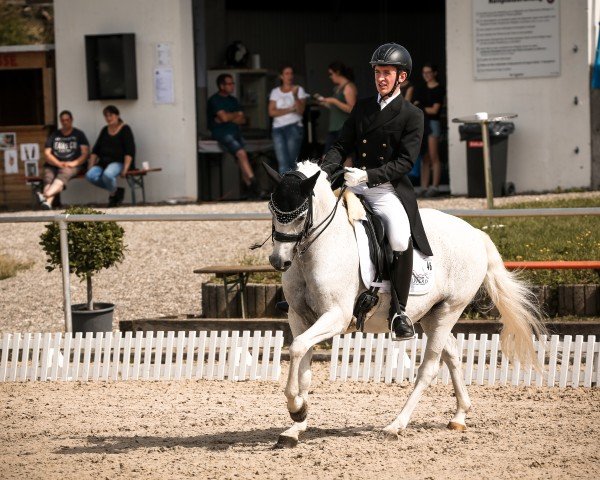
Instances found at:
x=66 y=151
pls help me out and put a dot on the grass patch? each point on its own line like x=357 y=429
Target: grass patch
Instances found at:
x=548 y=238
x=9 y=266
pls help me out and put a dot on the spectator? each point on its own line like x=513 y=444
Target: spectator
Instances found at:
x=112 y=155
x=225 y=116
x=66 y=150
x=430 y=100
x=407 y=90
x=341 y=103
x=286 y=106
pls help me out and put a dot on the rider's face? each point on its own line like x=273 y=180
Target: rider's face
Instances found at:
x=385 y=76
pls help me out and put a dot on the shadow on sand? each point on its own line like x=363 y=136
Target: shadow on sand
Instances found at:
x=212 y=441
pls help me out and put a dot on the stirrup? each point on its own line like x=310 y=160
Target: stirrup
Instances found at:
x=400 y=317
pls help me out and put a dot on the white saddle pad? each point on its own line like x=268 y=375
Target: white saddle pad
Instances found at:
x=422 y=277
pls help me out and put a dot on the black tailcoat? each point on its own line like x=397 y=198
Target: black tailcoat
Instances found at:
x=387 y=143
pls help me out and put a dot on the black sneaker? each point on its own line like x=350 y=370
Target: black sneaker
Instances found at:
x=40 y=197
x=46 y=205
x=120 y=195
x=117 y=198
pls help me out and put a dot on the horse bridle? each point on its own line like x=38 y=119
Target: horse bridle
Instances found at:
x=307 y=230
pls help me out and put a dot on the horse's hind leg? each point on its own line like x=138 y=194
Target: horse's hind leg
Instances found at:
x=437 y=325
x=463 y=402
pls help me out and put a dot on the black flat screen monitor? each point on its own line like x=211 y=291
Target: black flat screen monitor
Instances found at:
x=111 y=69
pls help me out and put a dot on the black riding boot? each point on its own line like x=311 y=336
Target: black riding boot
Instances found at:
x=400 y=276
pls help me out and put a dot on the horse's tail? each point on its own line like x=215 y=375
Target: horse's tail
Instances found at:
x=519 y=309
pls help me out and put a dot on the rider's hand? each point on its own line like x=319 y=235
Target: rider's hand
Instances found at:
x=355 y=176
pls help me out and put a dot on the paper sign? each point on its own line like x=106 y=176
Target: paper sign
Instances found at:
x=11 y=164
x=30 y=152
x=514 y=39
x=31 y=169
x=163 y=85
x=8 y=140
x=163 y=55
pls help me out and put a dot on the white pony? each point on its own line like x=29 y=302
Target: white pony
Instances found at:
x=321 y=283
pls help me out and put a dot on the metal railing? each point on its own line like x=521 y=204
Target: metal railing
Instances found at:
x=63 y=219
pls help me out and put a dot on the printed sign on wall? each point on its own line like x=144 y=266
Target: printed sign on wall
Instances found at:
x=11 y=164
x=516 y=39
x=30 y=152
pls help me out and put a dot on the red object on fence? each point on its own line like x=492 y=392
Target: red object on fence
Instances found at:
x=555 y=265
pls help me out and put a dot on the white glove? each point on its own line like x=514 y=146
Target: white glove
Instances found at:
x=355 y=176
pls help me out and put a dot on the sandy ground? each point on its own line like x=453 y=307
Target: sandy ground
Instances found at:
x=156 y=279
x=209 y=429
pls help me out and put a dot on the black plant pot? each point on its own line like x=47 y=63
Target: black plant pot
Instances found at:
x=98 y=320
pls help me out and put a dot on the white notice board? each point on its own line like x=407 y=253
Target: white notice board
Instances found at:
x=516 y=38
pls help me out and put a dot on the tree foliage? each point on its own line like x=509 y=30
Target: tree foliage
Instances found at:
x=92 y=245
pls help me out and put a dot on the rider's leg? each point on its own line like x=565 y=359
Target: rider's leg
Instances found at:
x=401 y=275
x=389 y=208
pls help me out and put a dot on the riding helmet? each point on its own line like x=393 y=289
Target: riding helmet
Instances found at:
x=392 y=54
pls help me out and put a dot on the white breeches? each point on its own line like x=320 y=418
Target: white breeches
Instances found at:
x=389 y=208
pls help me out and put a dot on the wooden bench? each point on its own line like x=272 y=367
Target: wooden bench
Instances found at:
x=235 y=277
x=135 y=179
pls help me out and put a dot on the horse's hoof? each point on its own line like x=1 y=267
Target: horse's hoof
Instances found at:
x=301 y=414
x=390 y=434
x=459 y=427
x=286 y=442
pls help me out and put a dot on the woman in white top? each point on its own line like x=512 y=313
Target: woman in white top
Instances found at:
x=286 y=106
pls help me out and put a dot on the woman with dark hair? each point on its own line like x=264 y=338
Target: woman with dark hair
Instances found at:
x=341 y=103
x=430 y=100
x=112 y=155
x=286 y=107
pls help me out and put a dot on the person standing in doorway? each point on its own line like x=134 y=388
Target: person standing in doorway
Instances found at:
x=286 y=107
x=430 y=100
x=112 y=156
x=341 y=103
x=66 y=151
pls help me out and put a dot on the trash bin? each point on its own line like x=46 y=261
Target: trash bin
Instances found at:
x=499 y=132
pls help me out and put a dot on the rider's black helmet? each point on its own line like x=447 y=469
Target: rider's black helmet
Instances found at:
x=392 y=54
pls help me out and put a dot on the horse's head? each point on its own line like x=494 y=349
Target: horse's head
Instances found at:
x=291 y=207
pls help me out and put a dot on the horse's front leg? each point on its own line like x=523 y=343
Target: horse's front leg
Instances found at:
x=331 y=323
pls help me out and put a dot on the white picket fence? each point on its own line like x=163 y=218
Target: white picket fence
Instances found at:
x=151 y=356
x=377 y=358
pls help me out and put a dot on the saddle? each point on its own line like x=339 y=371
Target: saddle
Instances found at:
x=381 y=257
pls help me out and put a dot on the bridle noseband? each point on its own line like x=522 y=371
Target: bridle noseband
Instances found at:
x=307 y=230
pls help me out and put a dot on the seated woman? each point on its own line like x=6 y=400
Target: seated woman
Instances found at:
x=112 y=155
x=66 y=150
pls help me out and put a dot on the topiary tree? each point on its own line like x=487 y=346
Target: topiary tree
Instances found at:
x=92 y=246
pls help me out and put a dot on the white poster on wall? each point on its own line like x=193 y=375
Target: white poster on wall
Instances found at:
x=163 y=55
x=516 y=39
x=164 y=92
x=11 y=162
x=30 y=152
x=32 y=169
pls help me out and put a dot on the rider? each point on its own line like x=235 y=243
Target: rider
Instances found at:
x=386 y=131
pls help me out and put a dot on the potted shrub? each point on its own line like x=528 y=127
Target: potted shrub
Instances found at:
x=92 y=247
